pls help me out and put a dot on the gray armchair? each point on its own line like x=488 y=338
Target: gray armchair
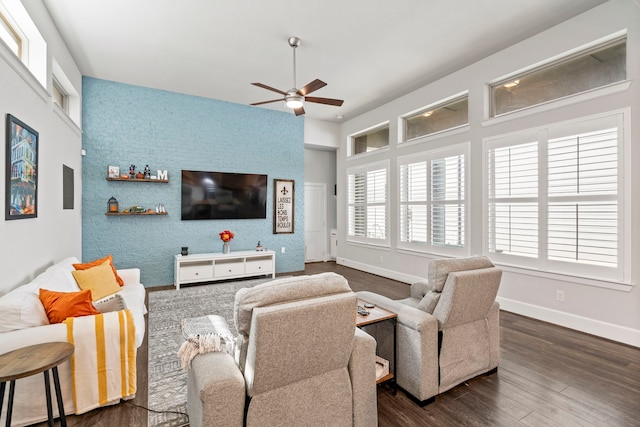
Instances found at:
x=300 y=360
x=448 y=330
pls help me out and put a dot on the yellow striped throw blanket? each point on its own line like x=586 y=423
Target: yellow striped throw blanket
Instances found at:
x=103 y=366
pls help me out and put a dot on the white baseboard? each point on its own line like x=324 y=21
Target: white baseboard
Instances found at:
x=598 y=328
x=389 y=274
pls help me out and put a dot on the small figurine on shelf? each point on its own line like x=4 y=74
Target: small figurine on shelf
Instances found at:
x=132 y=171
x=147 y=172
x=259 y=247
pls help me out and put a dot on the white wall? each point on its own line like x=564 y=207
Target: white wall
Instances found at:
x=321 y=134
x=321 y=141
x=28 y=246
x=606 y=309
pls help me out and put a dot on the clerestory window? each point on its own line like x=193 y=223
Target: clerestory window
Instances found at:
x=590 y=69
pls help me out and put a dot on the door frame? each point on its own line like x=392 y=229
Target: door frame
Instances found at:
x=326 y=256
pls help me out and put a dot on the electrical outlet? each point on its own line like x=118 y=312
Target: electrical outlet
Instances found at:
x=381 y=259
x=560 y=295
x=282 y=250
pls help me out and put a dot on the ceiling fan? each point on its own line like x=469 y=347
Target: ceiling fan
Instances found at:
x=295 y=98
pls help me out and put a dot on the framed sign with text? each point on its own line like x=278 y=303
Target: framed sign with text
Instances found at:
x=283 y=192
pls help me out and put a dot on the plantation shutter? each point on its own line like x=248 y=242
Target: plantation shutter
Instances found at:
x=556 y=204
x=377 y=204
x=357 y=200
x=583 y=193
x=433 y=200
x=447 y=201
x=367 y=202
x=513 y=199
x=413 y=202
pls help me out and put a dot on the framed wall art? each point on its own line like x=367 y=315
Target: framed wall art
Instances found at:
x=21 y=195
x=113 y=172
x=283 y=197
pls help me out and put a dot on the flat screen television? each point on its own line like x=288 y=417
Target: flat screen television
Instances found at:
x=221 y=195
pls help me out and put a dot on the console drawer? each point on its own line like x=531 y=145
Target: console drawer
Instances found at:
x=196 y=271
x=259 y=266
x=229 y=268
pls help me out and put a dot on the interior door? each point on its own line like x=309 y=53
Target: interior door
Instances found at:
x=315 y=222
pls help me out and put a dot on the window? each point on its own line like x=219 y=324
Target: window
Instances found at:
x=10 y=36
x=554 y=198
x=367 y=201
x=370 y=140
x=438 y=118
x=587 y=70
x=433 y=200
x=60 y=96
x=21 y=35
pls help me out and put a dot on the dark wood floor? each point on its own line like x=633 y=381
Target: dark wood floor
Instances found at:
x=548 y=376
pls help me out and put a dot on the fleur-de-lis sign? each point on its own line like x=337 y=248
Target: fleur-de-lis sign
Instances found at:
x=284 y=191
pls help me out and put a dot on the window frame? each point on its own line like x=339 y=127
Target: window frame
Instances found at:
x=428 y=247
x=542 y=263
x=352 y=139
x=13 y=31
x=365 y=169
x=564 y=59
x=434 y=106
x=57 y=90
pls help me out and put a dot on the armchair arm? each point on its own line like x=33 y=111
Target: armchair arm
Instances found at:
x=130 y=275
x=420 y=288
x=417 y=346
x=215 y=391
x=411 y=317
x=362 y=370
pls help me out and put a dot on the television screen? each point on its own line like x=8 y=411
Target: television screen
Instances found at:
x=220 y=195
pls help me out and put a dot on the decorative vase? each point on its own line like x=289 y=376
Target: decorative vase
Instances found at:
x=226 y=248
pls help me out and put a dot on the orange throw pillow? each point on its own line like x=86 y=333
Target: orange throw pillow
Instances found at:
x=60 y=305
x=109 y=258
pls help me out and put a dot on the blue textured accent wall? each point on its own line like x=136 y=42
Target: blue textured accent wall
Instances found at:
x=124 y=124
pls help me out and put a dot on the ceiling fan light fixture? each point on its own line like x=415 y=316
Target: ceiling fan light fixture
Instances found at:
x=293 y=100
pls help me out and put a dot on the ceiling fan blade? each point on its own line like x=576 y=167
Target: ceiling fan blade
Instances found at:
x=266 y=102
x=299 y=111
x=269 y=88
x=328 y=101
x=311 y=87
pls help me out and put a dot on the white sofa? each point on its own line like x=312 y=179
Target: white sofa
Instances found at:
x=23 y=322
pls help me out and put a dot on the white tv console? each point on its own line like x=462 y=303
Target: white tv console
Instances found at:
x=218 y=266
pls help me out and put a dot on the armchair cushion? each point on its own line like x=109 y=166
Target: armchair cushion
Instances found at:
x=280 y=291
x=439 y=269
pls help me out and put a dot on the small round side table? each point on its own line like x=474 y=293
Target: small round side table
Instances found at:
x=32 y=360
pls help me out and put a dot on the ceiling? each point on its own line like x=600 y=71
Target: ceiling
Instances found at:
x=367 y=51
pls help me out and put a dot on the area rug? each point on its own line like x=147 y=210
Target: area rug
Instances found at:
x=167 y=380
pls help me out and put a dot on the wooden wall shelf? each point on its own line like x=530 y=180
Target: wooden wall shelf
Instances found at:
x=138 y=180
x=133 y=213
